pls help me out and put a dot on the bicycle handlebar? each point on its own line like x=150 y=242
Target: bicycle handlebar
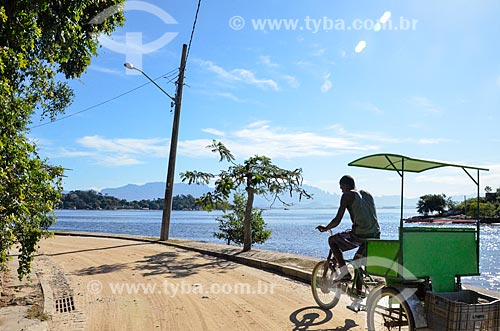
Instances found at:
x=329 y=230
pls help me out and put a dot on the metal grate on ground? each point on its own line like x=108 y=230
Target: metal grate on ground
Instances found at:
x=65 y=305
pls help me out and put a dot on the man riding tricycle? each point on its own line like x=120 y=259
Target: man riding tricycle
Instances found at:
x=411 y=283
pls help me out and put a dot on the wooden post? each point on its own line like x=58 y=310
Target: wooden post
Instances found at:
x=169 y=187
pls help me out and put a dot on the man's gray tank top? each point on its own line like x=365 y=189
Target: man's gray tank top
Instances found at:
x=365 y=223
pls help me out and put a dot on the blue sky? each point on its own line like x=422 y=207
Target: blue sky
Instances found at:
x=320 y=88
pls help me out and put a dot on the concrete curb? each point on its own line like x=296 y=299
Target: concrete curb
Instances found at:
x=48 y=297
x=276 y=268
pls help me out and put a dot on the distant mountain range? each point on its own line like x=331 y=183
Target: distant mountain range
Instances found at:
x=321 y=199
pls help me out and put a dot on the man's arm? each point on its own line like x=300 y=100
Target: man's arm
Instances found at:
x=344 y=200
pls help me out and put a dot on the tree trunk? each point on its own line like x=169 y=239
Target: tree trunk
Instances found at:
x=247 y=224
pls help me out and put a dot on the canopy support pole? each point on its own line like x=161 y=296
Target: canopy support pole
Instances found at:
x=402 y=175
x=476 y=181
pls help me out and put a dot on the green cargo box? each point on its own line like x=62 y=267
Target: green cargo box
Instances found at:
x=435 y=252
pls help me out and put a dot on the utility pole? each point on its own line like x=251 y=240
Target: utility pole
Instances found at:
x=169 y=187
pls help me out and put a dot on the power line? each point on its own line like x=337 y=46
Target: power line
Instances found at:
x=192 y=31
x=172 y=79
x=107 y=101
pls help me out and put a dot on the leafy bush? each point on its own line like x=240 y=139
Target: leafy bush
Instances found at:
x=231 y=223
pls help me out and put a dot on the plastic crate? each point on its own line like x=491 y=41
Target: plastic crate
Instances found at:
x=464 y=310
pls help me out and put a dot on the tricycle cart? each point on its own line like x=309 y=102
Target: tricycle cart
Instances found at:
x=423 y=268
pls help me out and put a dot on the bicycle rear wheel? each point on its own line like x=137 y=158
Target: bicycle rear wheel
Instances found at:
x=325 y=291
x=387 y=310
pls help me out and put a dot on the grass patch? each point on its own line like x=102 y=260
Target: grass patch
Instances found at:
x=35 y=311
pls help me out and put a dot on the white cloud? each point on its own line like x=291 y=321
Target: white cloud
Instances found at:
x=368 y=106
x=377 y=137
x=117 y=161
x=426 y=105
x=416 y=125
x=443 y=179
x=492 y=177
x=266 y=60
x=454 y=181
x=304 y=64
x=261 y=138
x=258 y=124
x=249 y=77
x=230 y=96
x=370 y=136
x=214 y=132
x=156 y=146
x=327 y=84
x=115 y=152
x=239 y=75
x=292 y=81
x=428 y=141
x=106 y=70
x=195 y=148
x=318 y=52
x=68 y=153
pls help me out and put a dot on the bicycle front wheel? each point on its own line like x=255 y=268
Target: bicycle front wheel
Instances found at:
x=325 y=291
x=387 y=310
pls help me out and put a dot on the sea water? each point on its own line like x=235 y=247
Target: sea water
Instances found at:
x=293 y=231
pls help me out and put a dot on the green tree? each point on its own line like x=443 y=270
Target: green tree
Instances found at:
x=486 y=209
x=41 y=43
x=430 y=203
x=257 y=175
x=184 y=202
x=231 y=223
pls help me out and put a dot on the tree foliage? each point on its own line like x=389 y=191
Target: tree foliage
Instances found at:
x=486 y=208
x=41 y=42
x=430 y=203
x=96 y=201
x=257 y=175
x=231 y=223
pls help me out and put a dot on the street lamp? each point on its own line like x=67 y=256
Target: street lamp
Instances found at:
x=169 y=187
x=131 y=67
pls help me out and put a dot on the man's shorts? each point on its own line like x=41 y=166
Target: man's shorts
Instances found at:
x=345 y=241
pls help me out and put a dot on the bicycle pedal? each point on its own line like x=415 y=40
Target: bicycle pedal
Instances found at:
x=353 y=308
x=356 y=307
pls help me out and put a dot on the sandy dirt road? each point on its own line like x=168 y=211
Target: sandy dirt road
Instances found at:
x=129 y=285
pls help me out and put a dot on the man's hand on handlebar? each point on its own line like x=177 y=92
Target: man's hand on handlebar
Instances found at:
x=321 y=228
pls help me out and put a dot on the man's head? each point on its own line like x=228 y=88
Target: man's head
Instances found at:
x=347 y=183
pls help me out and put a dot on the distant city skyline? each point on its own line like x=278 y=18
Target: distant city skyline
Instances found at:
x=312 y=85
